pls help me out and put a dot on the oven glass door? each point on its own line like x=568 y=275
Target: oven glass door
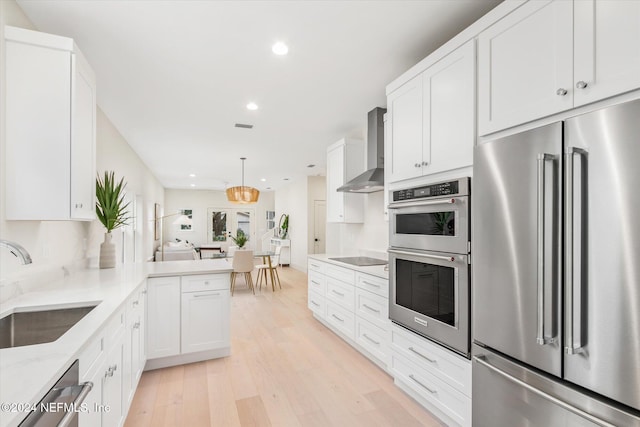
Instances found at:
x=431 y=224
x=430 y=295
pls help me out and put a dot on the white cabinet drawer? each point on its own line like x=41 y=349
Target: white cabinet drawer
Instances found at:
x=435 y=391
x=317 y=282
x=340 y=273
x=374 y=339
x=317 y=304
x=316 y=266
x=374 y=284
x=451 y=368
x=205 y=282
x=341 y=293
x=372 y=307
x=341 y=319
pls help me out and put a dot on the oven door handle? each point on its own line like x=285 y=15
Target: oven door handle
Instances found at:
x=398 y=205
x=438 y=257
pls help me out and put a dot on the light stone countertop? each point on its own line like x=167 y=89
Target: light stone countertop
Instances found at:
x=27 y=373
x=374 y=270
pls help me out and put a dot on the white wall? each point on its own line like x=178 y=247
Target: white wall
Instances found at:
x=200 y=201
x=72 y=244
x=370 y=236
x=293 y=200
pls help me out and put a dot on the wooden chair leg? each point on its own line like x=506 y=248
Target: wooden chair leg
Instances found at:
x=260 y=278
x=233 y=281
x=253 y=289
x=278 y=277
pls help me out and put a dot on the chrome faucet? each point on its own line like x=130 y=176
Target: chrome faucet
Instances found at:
x=17 y=250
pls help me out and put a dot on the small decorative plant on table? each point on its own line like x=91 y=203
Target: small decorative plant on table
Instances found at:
x=240 y=239
x=111 y=210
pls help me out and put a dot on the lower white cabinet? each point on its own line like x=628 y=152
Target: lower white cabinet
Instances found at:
x=437 y=378
x=112 y=389
x=163 y=333
x=188 y=319
x=352 y=304
x=203 y=320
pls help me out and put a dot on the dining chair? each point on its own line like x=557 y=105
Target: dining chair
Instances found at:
x=264 y=269
x=242 y=264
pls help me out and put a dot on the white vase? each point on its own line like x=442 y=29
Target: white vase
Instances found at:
x=107 y=252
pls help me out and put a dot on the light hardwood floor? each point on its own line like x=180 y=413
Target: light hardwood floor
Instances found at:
x=285 y=369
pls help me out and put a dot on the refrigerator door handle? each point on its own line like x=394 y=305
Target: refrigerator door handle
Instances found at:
x=483 y=361
x=573 y=340
x=541 y=337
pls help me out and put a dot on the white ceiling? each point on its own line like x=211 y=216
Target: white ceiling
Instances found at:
x=175 y=76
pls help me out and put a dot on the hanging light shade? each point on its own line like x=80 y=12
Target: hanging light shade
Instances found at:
x=243 y=194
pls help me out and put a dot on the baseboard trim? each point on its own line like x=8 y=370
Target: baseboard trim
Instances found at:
x=182 y=359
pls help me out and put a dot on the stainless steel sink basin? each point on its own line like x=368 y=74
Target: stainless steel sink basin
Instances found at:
x=37 y=327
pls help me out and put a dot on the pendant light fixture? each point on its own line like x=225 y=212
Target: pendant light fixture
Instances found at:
x=243 y=194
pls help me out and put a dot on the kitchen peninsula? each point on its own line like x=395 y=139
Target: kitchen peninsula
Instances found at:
x=110 y=341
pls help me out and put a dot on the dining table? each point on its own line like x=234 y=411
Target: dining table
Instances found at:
x=266 y=259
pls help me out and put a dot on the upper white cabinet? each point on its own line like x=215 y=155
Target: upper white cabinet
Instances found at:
x=50 y=128
x=345 y=161
x=431 y=118
x=550 y=56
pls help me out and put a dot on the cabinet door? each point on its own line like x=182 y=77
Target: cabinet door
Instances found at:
x=83 y=139
x=449 y=111
x=335 y=179
x=607 y=49
x=205 y=321
x=112 y=388
x=92 y=417
x=163 y=338
x=405 y=117
x=525 y=65
x=38 y=101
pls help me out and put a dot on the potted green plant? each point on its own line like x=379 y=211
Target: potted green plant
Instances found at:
x=240 y=238
x=284 y=226
x=111 y=210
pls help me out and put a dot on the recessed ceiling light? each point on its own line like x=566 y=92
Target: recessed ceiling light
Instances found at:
x=280 y=48
x=252 y=106
x=311 y=166
x=263 y=179
x=193 y=185
x=286 y=179
x=192 y=175
x=268 y=188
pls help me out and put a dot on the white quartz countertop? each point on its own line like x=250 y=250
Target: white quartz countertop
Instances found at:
x=27 y=373
x=374 y=270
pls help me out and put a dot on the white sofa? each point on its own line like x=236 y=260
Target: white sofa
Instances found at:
x=175 y=251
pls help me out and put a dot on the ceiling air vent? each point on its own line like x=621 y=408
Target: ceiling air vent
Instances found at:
x=244 y=126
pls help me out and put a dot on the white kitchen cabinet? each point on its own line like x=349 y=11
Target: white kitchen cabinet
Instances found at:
x=134 y=340
x=112 y=387
x=163 y=313
x=50 y=128
x=205 y=320
x=431 y=119
x=551 y=56
x=188 y=319
x=352 y=304
x=345 y=161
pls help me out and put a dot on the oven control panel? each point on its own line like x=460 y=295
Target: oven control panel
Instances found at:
x=449 y=188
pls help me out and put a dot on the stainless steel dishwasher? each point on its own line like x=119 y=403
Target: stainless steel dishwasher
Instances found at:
x=61 y=405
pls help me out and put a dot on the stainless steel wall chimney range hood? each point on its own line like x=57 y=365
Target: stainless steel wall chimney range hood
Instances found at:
x=373 y=179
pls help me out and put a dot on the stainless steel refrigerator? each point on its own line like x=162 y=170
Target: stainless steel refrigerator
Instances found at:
x=556 y=274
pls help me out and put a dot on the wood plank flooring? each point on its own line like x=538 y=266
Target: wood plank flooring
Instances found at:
x=285 y=369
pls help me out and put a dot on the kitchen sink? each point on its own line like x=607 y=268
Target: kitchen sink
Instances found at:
x=37 y=327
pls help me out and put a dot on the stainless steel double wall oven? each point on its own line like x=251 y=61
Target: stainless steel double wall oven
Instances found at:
x=429 y=262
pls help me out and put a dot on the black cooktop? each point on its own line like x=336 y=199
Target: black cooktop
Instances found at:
x=360 y=261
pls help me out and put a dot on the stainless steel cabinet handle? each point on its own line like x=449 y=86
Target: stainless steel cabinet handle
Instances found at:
x=71 y=415
x=136 y=325
x=573 y=340
x=336 y=317
x=430 y=390
x=581 y=84
x=144 y=292
x=439 y=257
x=206 y=295
x=371 y=308
x=315 y=283
x=371 y=284
x=136 y=302
x=541 y=337
x=315 y=266
x=337 y=293
x=315 y=303
x=418 y=165
x=561 y=92
x=425 y=163
x=398 y=205
x=428 y=359
x=371 y=339
x=482 y=360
